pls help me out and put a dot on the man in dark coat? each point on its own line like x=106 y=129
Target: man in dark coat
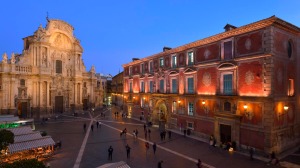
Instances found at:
x=128 y=151
x=154 y=148
x=110 y=151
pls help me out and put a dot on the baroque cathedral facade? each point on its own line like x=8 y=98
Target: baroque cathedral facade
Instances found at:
x=49 y=77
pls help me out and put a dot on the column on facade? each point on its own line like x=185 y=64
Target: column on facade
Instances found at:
x=39 y=93
x=33 y=55
x=33 y=94
x=80 y=93
x=11 y=94
x=75 y=92
x=48 y=94
x=39 y=55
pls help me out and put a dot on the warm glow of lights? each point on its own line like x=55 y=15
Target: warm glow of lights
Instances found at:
x=144 y=98
x=133 y=97
x=285 y=107
x=203 y=102
x=245 y=107
x=179 y=101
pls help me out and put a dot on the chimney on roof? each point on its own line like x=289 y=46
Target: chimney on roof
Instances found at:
x=229 y=27
x=135 y=59
x=166 y=48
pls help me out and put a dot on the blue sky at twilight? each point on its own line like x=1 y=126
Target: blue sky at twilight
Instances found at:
x=113 y=32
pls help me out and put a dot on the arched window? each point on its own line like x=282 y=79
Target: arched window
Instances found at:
x=227 y=106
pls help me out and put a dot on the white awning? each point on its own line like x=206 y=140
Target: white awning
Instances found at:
x=20 y=130
x=27 y=137
x=120 y=164
x=28 y=145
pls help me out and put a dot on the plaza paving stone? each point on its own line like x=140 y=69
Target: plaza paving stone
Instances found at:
x=177 y=152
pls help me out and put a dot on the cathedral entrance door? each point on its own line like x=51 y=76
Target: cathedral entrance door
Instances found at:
x=85 y=104
x=59 y=104
x=24 y=110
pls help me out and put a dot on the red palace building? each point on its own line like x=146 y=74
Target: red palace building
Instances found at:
x=239 y=86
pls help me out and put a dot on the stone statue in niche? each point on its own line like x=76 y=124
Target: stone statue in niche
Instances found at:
x=4 y=58
x=23 y=94
x=44 y=56
x=13 y=59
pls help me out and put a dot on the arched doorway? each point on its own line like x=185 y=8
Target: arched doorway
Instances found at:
x=160 y=114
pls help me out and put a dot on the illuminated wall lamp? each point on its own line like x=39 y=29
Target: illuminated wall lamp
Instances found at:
x=206 y=110
x=249 y=115
x=280 y=114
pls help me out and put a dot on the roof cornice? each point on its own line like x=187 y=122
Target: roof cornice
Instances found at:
x=273 y=20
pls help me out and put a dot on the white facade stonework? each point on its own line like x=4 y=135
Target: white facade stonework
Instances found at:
x=49 y=77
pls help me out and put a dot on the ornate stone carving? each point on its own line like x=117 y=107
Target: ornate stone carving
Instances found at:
x=206 y=53
x=39 y=34
x=4 y=58
x=13 y=59
x=44 y=56
x=206 y=80
x=248 y=44
x=44 y=94
x=63 y=27
x=249 y=77
x=62 y=41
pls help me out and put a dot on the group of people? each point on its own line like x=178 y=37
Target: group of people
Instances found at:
x=123 y=132
x=98 y=124
x=163 y=135
x=135 y=133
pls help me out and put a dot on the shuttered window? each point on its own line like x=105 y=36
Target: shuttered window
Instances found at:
x=174 y=62
x=174 y=86
x=161 y=86
x=190 y=83
x=151 y=86
x=191 y=109
x=227 y=84
x=227 y=50
x=130 y=87
x=142 y=87
x=190 y=58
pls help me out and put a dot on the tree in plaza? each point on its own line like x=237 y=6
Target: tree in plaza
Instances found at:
x=6 y=138
x=27 y=163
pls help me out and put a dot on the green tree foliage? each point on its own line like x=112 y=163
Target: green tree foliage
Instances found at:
x=6 y=138
x=27 y=163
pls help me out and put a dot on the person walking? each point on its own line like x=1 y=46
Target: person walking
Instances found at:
x=97 y=123
x=145 y=134
x=110 y=152
x=147 y=147
x=92 y=127
x=154 y=148
x=199 y=164
x=84 y=127
x=149 y=132
x=136 y=133
x=251 y=152
x=128 y=151
x=159 y=165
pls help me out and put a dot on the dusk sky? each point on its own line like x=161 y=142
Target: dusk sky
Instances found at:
x=113 y=32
